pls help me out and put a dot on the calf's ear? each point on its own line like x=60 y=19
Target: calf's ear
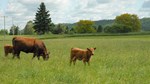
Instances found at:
x=88 y=49
x=94 y=48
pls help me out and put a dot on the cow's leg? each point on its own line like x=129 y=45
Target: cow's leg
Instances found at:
x=18 y=55
x=88 y=63
x=38 y=57
x=14 y=54
x=33 y=55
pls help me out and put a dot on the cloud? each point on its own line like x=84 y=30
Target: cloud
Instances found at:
x=146 y=6
x=145 y=9
x=25 y=10
x=69 y=11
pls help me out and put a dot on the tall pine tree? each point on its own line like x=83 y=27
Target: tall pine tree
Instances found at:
x=42 y=22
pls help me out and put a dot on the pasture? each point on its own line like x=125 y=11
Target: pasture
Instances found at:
x=117 y=60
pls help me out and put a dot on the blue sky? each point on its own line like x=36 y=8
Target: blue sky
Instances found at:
x=70 y=11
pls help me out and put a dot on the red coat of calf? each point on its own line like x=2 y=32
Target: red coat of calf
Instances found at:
x=8 y=49
x=80 y=54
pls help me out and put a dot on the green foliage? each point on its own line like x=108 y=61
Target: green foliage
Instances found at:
x=131 y=20
x=59 y=29
x=100 y=28
x=72 y=31
x=117 y=28
x=85 y=26
x=144 y=22
x=42 y=22
x=28 y=30
x=2 y=32
x=14 y=30
x=67 y=30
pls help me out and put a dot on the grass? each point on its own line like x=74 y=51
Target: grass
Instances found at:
x=117 y=60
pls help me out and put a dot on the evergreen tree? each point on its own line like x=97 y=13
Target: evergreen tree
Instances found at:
x=99 y=28
x=42 y=22
x=14 y=30
x=59 y=29
x=67 y=30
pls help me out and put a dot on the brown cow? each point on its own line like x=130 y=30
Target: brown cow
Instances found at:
x=8 y=49
x=29 y=45
x=80 y=54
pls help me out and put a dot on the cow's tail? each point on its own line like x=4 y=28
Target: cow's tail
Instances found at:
x=71 y=53
x=14 y=45
x=13 y=41
x=71 y=56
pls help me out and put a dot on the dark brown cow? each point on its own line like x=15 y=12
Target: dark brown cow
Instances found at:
x=8 y=49
x=80 y=54
x=29 y=45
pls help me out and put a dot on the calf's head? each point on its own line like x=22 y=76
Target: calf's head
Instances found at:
x=91 y=51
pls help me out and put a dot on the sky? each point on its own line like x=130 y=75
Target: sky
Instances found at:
x=19 y=12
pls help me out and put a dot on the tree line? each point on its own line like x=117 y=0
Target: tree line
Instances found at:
x=42 y=24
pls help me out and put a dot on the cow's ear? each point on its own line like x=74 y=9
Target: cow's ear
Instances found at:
x=94 y=48
x=88 y=49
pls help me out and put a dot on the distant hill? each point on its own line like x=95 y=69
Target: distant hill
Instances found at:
x=104 y=23
x=97 y=23
x=144 y=21
x=145 y=24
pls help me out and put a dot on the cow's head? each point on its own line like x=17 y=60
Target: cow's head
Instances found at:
x=46 y=57
x=91 y=51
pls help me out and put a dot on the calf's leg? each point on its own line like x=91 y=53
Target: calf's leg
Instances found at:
x=84 y=61
x=74 y=60
x=6 y=53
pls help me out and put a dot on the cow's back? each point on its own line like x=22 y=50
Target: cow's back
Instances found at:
x=23 y=44
x=77 y=50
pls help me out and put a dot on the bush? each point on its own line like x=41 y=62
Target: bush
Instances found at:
x=117 y=28
x=2 y=32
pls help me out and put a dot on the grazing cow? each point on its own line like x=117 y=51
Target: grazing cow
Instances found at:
x=8 y=49
x=80 y=54
x=29 y=45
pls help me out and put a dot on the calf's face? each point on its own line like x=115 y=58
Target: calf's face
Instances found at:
x=91 y=51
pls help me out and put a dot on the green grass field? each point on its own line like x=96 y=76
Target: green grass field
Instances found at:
x=117 y=60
